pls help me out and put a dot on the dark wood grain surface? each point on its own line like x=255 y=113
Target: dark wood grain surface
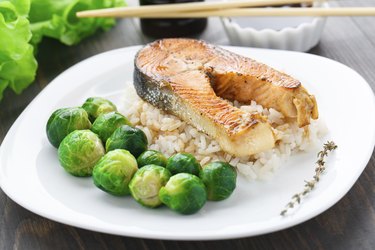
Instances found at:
x=350 y=224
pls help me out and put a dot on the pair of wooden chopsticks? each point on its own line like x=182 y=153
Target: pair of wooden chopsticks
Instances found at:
x=226 y=9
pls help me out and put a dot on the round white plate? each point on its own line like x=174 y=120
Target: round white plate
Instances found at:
x=30 y=173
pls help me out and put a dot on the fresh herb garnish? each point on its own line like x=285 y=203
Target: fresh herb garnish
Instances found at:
x=309 y=185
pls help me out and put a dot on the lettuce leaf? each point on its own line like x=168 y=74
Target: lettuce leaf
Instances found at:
x=17 y=63
x=26 y=22
x=56 y=19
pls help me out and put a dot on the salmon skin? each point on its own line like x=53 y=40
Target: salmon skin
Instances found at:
x=190 y=78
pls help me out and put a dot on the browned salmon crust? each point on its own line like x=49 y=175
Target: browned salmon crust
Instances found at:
x=181 y=76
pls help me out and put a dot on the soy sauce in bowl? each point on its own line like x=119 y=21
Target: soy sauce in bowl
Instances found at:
x=169 y=27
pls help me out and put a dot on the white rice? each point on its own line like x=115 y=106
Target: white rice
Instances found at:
x=170 y=135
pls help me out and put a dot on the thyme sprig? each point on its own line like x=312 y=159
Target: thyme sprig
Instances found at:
x=309 y=185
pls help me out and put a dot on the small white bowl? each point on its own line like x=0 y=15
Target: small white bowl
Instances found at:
x=286 y=33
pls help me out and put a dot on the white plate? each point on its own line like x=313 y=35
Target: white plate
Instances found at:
x=30 y=173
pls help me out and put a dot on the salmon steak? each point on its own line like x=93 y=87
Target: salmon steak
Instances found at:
x=194 y=80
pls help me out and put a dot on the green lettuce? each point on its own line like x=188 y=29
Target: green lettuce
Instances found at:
x=17 y=63
x=57 y=19
x=23 y=24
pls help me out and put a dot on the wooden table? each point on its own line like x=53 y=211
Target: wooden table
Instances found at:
x=350 y=224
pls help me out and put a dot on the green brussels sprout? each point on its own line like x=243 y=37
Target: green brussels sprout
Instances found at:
x=107 y=123
x=219 y=179
x=79 y=152
x=146 y=184
x=66 y=120
x=183 y=163
x=151 y=157
x=184 y=193
x=96 y=106
x=114 y=171
x=129 y=138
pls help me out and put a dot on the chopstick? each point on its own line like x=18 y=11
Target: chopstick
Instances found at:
x=173 y=9
x=347 y=11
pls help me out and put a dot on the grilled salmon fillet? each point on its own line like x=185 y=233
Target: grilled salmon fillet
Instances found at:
x=190 y=78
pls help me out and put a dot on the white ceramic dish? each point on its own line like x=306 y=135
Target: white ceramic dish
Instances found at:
x=285 y=33
x=30 y=173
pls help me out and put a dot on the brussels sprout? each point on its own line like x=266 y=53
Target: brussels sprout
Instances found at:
x=151 y=157
x=146 y=183
x=107 y=123
x=96 y=106
x=183 y=163
x=79 y=151
x=129 y=138
x=114 y=171
x=219 y=179
x=184 y=193
x=66 y=120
